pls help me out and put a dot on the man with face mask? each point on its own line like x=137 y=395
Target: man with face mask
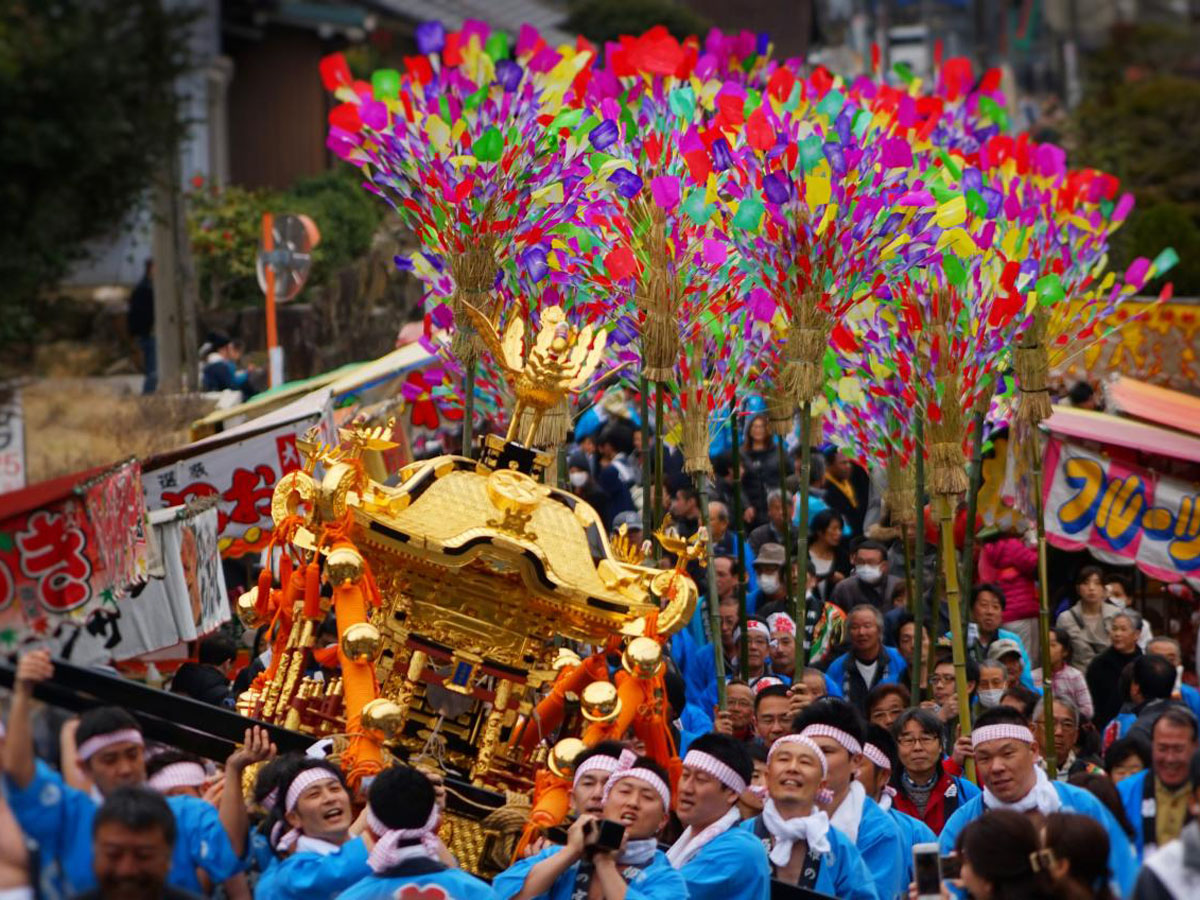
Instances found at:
x=584 y=486
x=771 y=595
x=1006 y=762
x=110 y=752
x=870 y=585
x=993 y=681
x=718 y=860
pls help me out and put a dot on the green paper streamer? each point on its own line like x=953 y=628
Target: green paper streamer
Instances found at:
x=1165 y=261
x=683 y=102
x=490 y=146
x=497 y=46
x=385 y=83
x=1049 y=290
x=749 y=214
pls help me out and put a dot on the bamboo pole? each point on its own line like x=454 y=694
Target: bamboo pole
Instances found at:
x=788 y=555
x=801 y=613
x=917 y=561
x=648 y=523
x=659 y=431
x=1043 y=609
x=469 y=411
x=968 y=560
x=740 y=530
x=714 y=614
x=945 y=510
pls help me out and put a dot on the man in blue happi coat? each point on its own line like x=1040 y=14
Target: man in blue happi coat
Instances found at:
x=59 y=817
x=718 y=860
x=1157 y=800
x=636 y=796
x=1005 y=761
x=403 y=818
x=839 y=730
x=803 y=848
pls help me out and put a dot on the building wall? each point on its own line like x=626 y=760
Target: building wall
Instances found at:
x=277 y=109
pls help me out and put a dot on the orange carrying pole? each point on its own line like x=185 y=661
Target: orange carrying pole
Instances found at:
x=551 y=802
x=549 y=714
x=364 y=756
x=268 y=242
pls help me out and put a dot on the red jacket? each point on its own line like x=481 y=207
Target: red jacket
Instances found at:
x=943 y=801
x=1011 y=564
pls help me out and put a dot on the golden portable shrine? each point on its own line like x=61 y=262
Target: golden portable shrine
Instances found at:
x=455 y=591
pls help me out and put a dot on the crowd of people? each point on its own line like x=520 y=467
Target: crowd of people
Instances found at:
x=824 y=778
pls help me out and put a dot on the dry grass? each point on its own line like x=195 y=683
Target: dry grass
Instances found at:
x=77 y=423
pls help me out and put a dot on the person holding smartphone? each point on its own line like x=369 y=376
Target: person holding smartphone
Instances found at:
x=802 y=847
x=718 y=860
x=613 y=858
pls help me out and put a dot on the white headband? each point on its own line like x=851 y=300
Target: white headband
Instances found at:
x=387 y=853
x=781 y=623
x=1005 y=732
x=803 y=741
x=754 y=626
x=303 y=782
x=180 y=774
x=877 y=756
x=625 y=769
x=96 y=743
x=706 y=762
x=766 y=681
x=852 y=746
x=601 y=762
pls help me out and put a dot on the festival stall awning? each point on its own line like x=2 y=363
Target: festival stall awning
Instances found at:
x=1084 y=424
x=1121 y=513
x=1174 y=409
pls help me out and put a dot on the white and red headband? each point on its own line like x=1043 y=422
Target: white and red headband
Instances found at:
x=98 y=742
x=877 y=756
x=706 y=762
x=765 y=682
x=808 y=743
x=754 y=626
x=1005 y=732
x=781 y=624
x=601 y=762
x=387 y=853
x=176 y=775
x=626 y=769
x=853 y=747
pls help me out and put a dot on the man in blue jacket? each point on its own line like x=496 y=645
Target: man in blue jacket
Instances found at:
x=1157 y=800
x=868 y=662
x=718 y=860
x=1006 y=762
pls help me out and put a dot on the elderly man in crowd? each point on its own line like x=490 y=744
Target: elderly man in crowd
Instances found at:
x=1158 y=801
x=868 y=662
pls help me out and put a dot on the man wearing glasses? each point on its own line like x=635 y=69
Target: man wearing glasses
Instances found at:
x=929 y=788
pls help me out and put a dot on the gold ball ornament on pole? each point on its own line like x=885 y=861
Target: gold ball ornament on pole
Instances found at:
x=362 y=642
x=247 y=609
x=562 y=757
x=382 y=719
x=599 y=702
x=642 y=658
x=342 y=565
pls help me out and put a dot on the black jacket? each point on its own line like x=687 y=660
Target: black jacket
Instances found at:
x=140 y=319
x=200 y=682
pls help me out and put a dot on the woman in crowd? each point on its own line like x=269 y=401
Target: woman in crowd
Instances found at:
x=1010 y=562
x=1086 y=622
x=1000 y=858
x=826 y=551
x=1076 y=852
x=1126 y=756
x=1066 y=679
x=313 y=834
x=760 y=468
x=1104 y=671
x=924 y=789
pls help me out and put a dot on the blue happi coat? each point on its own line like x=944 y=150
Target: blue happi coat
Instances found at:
x=1123 y=862
x=841 y=872
x=434 y=880
x=732 y=866
x=59 y=817
x=915 y=832
x=657 y=881
x=306 y=875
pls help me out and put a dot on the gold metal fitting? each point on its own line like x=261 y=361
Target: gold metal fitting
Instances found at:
x=343 y=564
x=247 y=608
x=382 y=718
x=562 y=758
x=362 y=642
x=600 y=702
x=642 y=658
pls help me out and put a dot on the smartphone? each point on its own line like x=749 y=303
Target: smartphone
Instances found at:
x=927 y=871
x=951 y=866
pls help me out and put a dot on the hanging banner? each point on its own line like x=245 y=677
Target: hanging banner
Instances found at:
x=241 y=473
x=116 y=509
x=12 y=445
x=1122 y=514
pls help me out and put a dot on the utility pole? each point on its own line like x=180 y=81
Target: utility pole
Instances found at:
x=175 y=289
